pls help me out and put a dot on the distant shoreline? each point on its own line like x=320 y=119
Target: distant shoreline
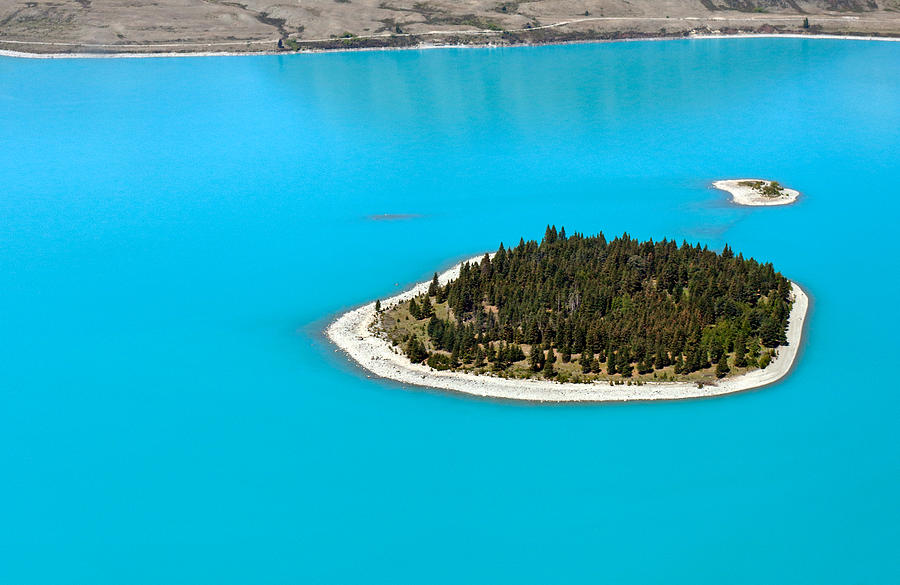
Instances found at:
x=416 y=47
x=354 y=334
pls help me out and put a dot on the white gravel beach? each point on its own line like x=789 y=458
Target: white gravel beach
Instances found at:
x=127 y=51
x=355 y=334
x=746 y=195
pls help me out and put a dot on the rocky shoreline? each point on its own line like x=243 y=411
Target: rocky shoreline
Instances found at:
x=471 y=39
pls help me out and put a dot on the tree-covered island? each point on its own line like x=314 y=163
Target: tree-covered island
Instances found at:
x=578 y=308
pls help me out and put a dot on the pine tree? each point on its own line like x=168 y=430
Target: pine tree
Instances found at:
x=585 y=362
x=435 y=329
x=610 y=362
x=448 y=338
x=426 y=310
x=434 y=287
x=479 y=357
x=414 y=309
x=694 y=360
x=415 y=350
x=662 y=359
x=754 y=348
x=715 y=350
x=508 y=354
x=551 y=356
x=740 y=352
x=500 y=362
x=623 y=363
x=536 y=359
x=770 y=333
x=378 y=306
x=722 y=368
x=550 y=235
x=534 y=334
x=586 y=356
x=645 y=366
x=548 y=370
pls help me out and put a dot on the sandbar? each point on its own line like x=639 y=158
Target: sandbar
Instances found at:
x=743 y=194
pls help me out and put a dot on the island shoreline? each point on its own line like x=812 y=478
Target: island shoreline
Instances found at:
x=351 y=332
x=417 y=47
x=744 y=196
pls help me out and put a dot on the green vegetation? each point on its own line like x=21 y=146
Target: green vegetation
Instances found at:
x=507 y=7
x=576 y=308
x=435 y=15
x=765 y=188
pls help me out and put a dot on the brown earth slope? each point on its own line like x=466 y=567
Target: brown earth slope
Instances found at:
x=150 y=26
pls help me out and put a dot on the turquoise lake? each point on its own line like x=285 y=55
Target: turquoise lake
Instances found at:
x=175 y=234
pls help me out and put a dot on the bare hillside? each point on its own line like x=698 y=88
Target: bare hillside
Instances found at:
x=54 y=26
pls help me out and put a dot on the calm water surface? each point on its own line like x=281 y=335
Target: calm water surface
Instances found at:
x=174 y=233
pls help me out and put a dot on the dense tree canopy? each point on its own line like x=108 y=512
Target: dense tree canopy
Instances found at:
x=618 y=303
